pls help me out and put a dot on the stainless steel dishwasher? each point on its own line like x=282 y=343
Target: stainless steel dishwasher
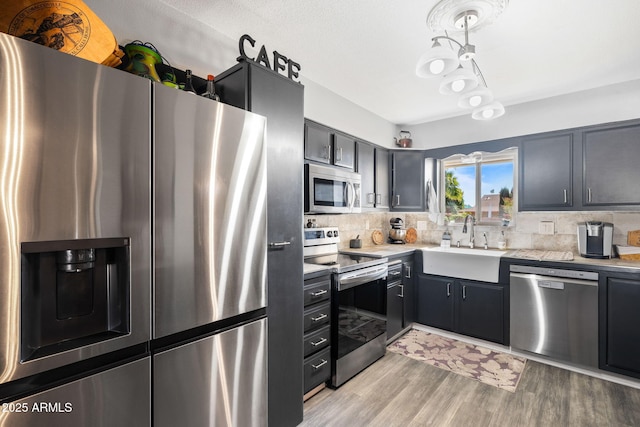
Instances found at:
x=554 y=312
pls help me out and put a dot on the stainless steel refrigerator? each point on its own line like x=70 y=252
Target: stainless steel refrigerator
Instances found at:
x=75 y=241
x=209 y=323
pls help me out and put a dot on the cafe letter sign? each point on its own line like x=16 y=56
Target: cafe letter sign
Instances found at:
x=280 y=62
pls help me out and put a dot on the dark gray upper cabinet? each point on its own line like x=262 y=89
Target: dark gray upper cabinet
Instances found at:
x=317 y=142
x=344 y=151
x=382 y=178
x=324 y=145
x=373 y=166
x=610 y=166
x=589 y=168
x=407 y=181
x=546 y=172
x=365 y=166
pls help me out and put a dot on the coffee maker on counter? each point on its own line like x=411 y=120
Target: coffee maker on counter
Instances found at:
x=397 y=233
x=595 y=239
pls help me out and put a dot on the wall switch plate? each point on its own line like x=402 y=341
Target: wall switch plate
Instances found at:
x=422 y=225
x=546 y=227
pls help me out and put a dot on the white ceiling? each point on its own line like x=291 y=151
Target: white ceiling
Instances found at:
x=366 y=50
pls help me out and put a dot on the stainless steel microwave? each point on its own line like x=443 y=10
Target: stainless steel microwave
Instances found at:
x=331 y=190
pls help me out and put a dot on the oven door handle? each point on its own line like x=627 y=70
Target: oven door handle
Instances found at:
x=360 y=277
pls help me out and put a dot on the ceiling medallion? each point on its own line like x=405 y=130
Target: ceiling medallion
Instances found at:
x=448 y=15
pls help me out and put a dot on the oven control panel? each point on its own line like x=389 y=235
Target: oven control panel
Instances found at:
x=321 y=236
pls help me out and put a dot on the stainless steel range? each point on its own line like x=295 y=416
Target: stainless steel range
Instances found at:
x=358 y=303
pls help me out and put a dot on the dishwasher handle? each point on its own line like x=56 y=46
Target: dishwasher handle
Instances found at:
x=551 y=282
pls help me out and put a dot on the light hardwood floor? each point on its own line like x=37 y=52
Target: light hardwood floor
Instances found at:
x=399 y=391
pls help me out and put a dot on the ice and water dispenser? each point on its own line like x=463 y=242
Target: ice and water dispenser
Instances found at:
x=74 y=293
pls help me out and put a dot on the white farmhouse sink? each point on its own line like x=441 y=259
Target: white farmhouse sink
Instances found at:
x=463 y=263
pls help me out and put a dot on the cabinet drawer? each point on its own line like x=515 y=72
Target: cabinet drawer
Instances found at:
x=317 y=316
x=317 y=369
x=317 y=340
x=317 y=291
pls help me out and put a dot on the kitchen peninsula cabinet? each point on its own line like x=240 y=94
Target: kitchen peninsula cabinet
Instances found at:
x=252 y=87
x=546 y=172
x=471 y=308
x=619 y=299
x=611 y=171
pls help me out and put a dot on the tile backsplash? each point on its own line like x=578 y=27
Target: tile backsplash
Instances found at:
x=525 y=234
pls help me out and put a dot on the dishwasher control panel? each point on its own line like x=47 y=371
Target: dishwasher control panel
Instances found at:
x=554 y=272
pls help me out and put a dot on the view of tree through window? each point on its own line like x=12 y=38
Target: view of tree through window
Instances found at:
x=483 y=188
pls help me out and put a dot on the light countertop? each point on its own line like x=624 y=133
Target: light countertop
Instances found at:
x=315 y=268
x=384 y=251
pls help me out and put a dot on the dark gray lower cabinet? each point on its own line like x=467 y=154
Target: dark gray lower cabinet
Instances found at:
x=395 y=301
x=476 y=309
x=255 y=88
x=619 y=319
x=435 y=301
x=480 y=311
x=400 y=296
x=317 y=331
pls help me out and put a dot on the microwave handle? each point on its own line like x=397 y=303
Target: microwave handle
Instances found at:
x=350 y=195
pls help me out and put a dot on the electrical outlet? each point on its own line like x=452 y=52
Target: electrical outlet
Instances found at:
x=546 y=227
x=422 y=225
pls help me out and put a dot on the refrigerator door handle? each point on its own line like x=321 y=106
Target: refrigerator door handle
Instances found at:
x=278 y=245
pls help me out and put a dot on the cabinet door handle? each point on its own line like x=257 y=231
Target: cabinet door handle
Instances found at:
x=319 y=365
x=371 y=198
x=319 y=318
x=464 y=292
x=401 y=294
x=407 y=271
x=589 y=195
x=327 y=152
x=319 y=342
x=397 y=197
x=448 y=290
x=378 y=198
x=318 y=293
x=564 y=191
x=339 y=159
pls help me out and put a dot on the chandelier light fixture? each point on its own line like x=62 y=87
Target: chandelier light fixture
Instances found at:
x=454 y=61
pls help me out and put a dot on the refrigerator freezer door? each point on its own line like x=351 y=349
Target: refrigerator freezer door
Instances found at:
x=118 y=397
x=210 y=211
x=220 y=380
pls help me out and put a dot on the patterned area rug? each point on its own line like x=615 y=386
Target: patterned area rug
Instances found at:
x=481 y=364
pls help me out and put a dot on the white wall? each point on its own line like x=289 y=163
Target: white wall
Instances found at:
x=207 y=51
x=601 y=105
x=330 y=109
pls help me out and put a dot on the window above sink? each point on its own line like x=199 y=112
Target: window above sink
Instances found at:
x=480 y=184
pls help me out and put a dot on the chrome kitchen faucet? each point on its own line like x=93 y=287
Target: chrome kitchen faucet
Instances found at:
x=471 y=234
